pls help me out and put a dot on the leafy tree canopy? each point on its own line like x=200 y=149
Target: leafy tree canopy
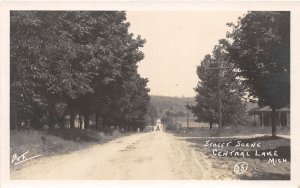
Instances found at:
x=261 y=52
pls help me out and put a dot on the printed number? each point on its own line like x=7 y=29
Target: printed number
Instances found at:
x=240 y=167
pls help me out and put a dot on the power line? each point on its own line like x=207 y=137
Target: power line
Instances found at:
x=187 y=114
x=218 y=88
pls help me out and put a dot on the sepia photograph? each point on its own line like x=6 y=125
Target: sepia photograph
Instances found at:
x=149 y=94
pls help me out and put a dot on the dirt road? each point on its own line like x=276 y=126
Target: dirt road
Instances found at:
x=153 y=155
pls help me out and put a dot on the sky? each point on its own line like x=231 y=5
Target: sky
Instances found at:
x=176 y=44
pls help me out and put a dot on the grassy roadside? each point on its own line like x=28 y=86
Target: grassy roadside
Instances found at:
x=257 y=154
x=55 y=142
x=233 y=131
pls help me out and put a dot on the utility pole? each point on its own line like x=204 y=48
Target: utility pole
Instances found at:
x=219 y=98
x=219 y=92
x=187 y=115
x=187 y=119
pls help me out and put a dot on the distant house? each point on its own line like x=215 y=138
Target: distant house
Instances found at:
x=262 y=116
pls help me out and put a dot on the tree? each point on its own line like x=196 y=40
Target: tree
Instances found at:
x=213 y=69
x=115 y=57
x=152 y=115
x=80 y=62
x=46 y=63
x=261 y=52
x=206 y=108
x=169 y=123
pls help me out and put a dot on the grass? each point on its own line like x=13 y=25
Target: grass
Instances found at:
x=258 y=166
x=233 y=131
x=57 y=141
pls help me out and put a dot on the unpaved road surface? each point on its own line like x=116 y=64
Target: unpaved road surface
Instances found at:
x=153 y=155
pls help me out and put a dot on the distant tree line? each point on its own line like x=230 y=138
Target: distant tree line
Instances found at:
x=75 y=65
x=166 y=105
x=170 y=109
x=152 y=115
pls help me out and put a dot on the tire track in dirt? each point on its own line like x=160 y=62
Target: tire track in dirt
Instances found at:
x=154 y=155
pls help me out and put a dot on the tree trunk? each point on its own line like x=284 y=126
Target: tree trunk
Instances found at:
x=72 y=120
x=210 y=125
x=61 y=121
x=80 y=121
x=35 y=122
x=14 y=114
x=273 y=122
x=104 y=122
x=97 y=120
x=86 y=120
x=51 y=114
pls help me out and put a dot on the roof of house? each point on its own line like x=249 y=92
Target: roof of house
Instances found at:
x=267 y=109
